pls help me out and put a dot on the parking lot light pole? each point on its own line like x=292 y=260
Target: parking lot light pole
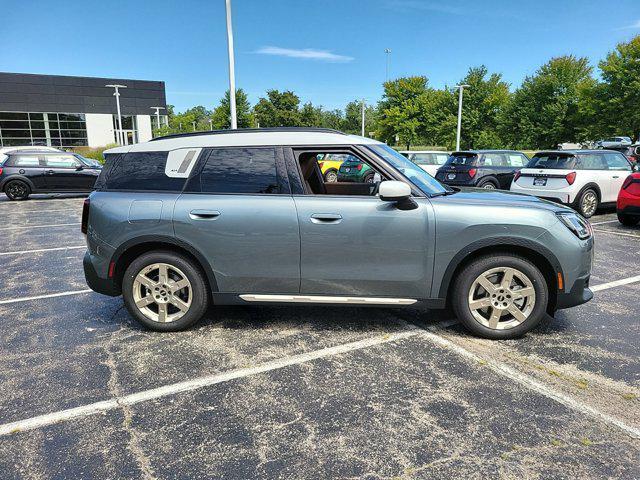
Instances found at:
x=117 y=95
x=232 y=73
x=362 y=129
x=461 y=88
x=387 y=51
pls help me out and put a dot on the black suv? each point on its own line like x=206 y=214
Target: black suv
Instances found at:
x=488 y=169
x=24 y=172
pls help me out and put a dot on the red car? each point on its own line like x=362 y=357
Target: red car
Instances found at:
x=629 y=201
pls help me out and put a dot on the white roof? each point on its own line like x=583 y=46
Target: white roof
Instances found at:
x=242 y=139
x=424 y=151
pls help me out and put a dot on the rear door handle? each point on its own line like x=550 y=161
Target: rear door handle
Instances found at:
x=326 y=218
x=204 y=214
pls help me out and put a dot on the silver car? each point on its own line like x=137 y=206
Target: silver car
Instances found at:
x=243 y=217
x=615 y=142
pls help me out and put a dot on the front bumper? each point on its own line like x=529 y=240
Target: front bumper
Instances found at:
x=579 y=294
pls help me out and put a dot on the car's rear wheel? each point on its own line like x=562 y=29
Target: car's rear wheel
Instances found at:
x=369 y=177
x=17 y=190
x=331 y=176
x=500 y=296
x=588 y=202
x=488 y=185
x=628 y=220
x=165 y=291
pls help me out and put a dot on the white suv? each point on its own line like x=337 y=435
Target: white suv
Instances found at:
x=429 y=160
x=583 y=179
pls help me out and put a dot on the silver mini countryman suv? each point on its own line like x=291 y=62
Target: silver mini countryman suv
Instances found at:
x=245 y=217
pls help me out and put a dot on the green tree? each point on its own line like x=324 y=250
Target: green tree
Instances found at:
x=279 y=109
x=310 y=116
x=352 y=122
x=545 y=110
x=332 y=119
x=221 y=116
x=619 y=99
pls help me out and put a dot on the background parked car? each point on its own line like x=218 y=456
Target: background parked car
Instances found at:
x=329 y=165
x=355 y=170
x=24 y=172
x=628 y=207
x=429 y=160
x=583 y=179
x=490 y=169
x=5 y=150
x=615 y=142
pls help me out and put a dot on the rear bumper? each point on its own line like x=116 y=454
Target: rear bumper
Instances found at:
x=560 y=196
x=579 y=294
x=104 y=285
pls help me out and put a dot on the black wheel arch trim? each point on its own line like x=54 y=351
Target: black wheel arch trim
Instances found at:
x=592 y=185
x=17 y=177
x=488 y=179
x=462 y=255
x=134 y=242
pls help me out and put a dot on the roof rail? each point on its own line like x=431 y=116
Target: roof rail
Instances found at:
x=249 y=130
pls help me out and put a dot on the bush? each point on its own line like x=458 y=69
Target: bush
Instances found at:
x=94 y=153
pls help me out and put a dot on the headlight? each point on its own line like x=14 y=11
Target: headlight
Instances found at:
x=578 y=225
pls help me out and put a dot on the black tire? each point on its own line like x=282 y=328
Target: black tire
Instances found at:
x=331 y=176
x=17 y=190
x=583 y=204
x=199 y=289
x=368 y=178
x=628 y=220
x=488 y=184
x=467 y=277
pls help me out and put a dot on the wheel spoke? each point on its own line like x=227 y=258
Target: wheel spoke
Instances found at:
x=162 y=312
x=517 y=313
x=146 y=281
x=507 y=278
x=523 y=293
x=480 y=303
x=143 y=302
x=163 y=274
x=495 y=317
x=179 y=285
x=487 y=285
x=179 y=303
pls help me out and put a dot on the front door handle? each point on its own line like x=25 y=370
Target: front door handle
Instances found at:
x=326 y=218
x=204 y=214
x=49 y=172
x=616 y=176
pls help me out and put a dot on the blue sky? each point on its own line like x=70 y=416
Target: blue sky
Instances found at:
x=327 y=51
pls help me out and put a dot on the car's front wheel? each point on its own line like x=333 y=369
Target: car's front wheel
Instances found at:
x=165 y=291
x=500 y=296
x=17 y=190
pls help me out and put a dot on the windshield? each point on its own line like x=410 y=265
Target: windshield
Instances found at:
x=559 y=162
x=419 y=177
x=88 y=161
x=461 y=159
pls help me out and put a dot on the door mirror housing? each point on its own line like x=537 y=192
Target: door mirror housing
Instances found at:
x=636 y=168
x=399 y=192
x=79 y=167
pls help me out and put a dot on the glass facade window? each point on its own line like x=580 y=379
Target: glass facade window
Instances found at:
x=154 y=121
x=43 y=129
x=129 y=129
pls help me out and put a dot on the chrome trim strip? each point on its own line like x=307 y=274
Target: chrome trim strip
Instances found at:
x=327 y=299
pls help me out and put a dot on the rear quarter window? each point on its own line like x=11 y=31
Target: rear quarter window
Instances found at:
x=23 y=161
x=140 y=171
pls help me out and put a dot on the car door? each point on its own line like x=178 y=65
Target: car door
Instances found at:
x=359 y=245
x=237 y=211
x=618 y=169
x=595 y=170
x=30 y=166
x=63 y=171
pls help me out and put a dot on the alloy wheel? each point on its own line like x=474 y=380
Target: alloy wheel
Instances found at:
x=16 y=190
x=501 y=298
x=489 y=186
x=162 y=292
x=331 y=177
x=589 y=203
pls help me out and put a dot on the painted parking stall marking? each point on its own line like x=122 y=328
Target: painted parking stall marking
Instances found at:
x=40 y=297
x=40 y=250
x=616 y=283
x=26 y=227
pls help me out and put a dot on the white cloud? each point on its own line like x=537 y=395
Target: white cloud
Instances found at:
x=421 y=5
x=305 y=53
x=633 y=26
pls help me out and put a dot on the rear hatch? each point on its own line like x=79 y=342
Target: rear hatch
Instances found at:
x=351 y=166
x=548 y=171
x=459 y=168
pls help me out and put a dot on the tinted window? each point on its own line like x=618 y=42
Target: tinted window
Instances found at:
x=553 y=161
x=142 y=171
x=61 y=161
x=592 y=162
x=25 y=161
x=238 y=170
x=616 y=161
x=469 y=159
x=516 y=160
x=492 y=160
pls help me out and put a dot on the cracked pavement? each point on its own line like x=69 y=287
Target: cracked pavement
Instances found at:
x=406 y=408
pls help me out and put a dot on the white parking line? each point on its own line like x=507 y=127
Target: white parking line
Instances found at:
x=33 y=210
x=23 y=227
x=617 y=283
x=39 y=297
x=197 y=383
x=604 y=222
x=38 y=250
x=48 y=200
x=617 y=233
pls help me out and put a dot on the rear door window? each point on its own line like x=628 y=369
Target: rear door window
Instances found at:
x=492 y=160
x=142 y=171
x=593 y=161
x=238 y=170
x=516 y=160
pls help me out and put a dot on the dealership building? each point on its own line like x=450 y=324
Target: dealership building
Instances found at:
x=61 y=111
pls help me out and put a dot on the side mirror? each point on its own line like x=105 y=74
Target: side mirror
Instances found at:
x=399 y=192
x=79 y=167
x=636 y=168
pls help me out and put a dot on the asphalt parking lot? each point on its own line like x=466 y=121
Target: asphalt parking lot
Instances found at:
x=288 y=392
